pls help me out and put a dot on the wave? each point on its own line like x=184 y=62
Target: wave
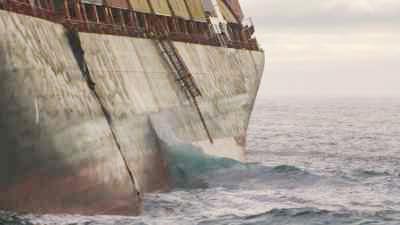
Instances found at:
x=370 y=173
x=190 y=168
x=193 y=170
x=286 y=216
x=310 y=216
x=8 y=218
x=287 y=169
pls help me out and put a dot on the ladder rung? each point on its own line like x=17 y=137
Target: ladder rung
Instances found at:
x=184 y=77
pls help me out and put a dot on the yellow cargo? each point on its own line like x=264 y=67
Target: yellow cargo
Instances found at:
x=140 y=6
x=161 y=7
x=197 y=10
x=179 y=8
x=226 y=12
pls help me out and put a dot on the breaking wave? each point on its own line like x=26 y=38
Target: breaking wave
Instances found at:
x=187 y=165
x=192 y=169
x=292 y=216
x=310 y=216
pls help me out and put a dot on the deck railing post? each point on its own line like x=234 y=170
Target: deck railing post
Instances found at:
x=96 y=15
x=85 y=16
x=66 y=10
x=77 y=9
x=132 y=21
x=111 y=19
x=52 y=7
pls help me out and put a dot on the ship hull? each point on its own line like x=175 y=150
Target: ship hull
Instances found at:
x=73 y=146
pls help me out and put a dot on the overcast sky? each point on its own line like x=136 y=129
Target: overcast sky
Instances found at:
x=328 y=47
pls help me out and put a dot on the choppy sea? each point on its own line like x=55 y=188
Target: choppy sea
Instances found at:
x=311 y=162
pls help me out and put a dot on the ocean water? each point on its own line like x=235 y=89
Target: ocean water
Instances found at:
x=311 y=162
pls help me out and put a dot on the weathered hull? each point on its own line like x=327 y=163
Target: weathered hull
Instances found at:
x=67 y=147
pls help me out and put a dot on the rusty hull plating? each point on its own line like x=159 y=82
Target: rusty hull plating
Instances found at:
x=75 y=127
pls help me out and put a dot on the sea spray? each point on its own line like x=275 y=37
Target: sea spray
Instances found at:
x=188 y=165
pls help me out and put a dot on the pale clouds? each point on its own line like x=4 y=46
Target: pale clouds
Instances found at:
x=324 y=48
x=324 y=14
x=329 y=47
x=363 y=6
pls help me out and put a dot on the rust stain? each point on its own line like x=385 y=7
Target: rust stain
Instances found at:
x=41 y=193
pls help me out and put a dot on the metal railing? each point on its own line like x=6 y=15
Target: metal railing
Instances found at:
x=24 y=7
x=153 y=29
